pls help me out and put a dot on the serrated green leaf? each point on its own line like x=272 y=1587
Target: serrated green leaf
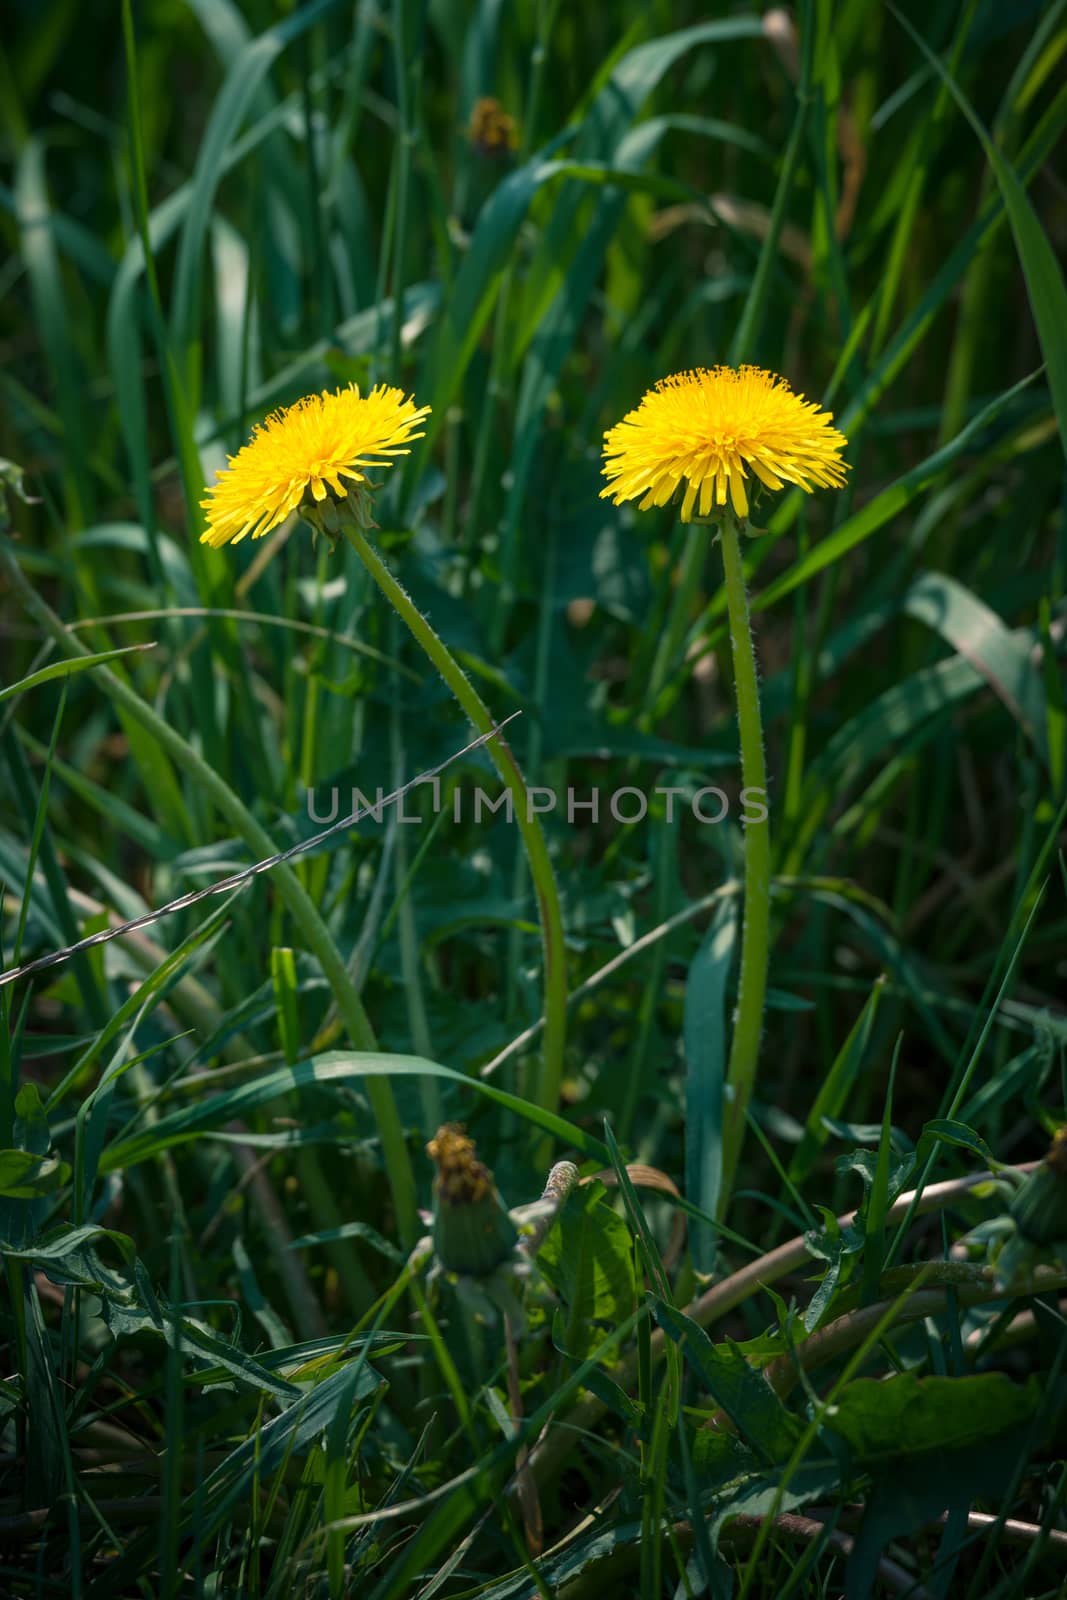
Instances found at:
x=736 y=1387
x=944 y=1130
x=884 y=1420
x=588 y=1260
x=25 y=1176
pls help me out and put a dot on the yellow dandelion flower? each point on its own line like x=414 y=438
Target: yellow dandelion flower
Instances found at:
x=708 y=429
x=300 y=452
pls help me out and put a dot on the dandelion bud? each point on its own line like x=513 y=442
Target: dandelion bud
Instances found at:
x=472 y=1231
x=1039 y=1209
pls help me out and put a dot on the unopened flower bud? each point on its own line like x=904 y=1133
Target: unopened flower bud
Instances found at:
x=1039 y=1209
x=472 y=1231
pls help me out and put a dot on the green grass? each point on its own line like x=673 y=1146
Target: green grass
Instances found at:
x=226 y=1372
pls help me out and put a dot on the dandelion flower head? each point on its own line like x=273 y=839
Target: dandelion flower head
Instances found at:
x=708 y=429
x=302 y=451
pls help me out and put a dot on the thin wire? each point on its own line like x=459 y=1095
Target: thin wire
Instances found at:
x=236 y=878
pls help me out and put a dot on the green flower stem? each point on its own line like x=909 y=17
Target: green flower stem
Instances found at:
x=301 y=907
x=755 y=936
x=533 y=839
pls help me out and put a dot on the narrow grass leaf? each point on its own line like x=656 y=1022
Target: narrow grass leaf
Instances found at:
x=65 y=669
x=1044 y=279
x=886 y=505
x=878 y=1198
x=834 y=1090
x=704 y=1034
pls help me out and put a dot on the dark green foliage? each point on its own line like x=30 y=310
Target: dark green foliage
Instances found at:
x=224 y=1371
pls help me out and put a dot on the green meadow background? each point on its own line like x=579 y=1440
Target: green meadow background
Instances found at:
x=218 y=1377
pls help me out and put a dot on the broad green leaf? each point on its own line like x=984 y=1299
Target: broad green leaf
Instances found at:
x=865 y=1164
x=588 y=1259
x=944 y=1130
x=834 y=1245
x=21 y=1218
x=931 y=1445
x=910 y=1492
x=211 y=1360
x=25 y=1176
x=883 y=1421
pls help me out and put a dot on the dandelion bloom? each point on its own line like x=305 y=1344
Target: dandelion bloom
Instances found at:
x=300 y=451
x=708 y=429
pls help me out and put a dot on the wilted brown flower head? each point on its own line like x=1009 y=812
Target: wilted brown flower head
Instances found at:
x=491 y=130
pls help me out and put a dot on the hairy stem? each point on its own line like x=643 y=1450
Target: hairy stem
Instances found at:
x=555 y=983
x=755 y=936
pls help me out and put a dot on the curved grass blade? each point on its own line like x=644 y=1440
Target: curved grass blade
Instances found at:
x=1003 y=657
x=339 y=1067
x=65 y=669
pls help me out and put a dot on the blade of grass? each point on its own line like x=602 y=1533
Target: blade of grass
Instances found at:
x=1041 y=270
x=704 y=1033
x=301 y=908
